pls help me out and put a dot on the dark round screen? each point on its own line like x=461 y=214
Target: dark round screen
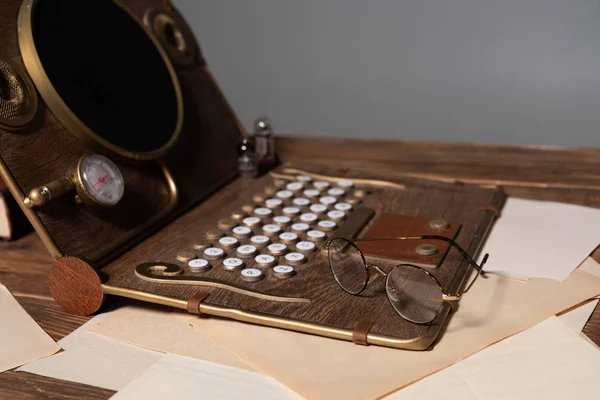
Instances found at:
x=107 y=71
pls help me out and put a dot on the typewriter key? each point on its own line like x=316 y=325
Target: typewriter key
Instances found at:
x=318 y=208
x=251 y=221
x=312 y=193
x=305 y=247
x=232 y=263
x=246 y=251
x=242 y=232
x=273 y=203
x=252 y=274
x=282 y=220
x=185 y=256
x=327 y=225
x=303 y=178
x=271 y=229
x=199 y=265
x=260 y=240
x=315 y=235
x=248 y=208
x=288 y=237
x=270 y=190
x=336 y=192
x=238 y=215
x=300 y=227
x=343 y=206
x=228 y=242
x=294 y=186
x=336 y=215
x=214 y=234
x=295 y=258
x=265 y=260
x=301 y=202
x=321 y=185
x=201 y=244
x=280 y=183
x=259 y=198
x=227 y=223
x=283 y=271
x=328 y=200
x=214 y=253
x=308 y=218
x=277 y=249
x=263 y=212
x=284 y=194
x=291 y=211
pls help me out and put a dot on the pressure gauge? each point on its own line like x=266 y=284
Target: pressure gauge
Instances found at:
x=96 y=181
x=99 y=181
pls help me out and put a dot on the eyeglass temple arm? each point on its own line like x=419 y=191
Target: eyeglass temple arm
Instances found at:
x=473 y=263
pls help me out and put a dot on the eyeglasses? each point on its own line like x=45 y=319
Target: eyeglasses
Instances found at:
x=415 y=294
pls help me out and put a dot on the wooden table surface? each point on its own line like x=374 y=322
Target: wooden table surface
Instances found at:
x=558 y=174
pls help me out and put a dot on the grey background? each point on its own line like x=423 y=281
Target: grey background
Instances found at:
x=486 y=71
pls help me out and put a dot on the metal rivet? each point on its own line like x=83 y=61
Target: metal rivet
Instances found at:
x=426 y=249
x=439 y=224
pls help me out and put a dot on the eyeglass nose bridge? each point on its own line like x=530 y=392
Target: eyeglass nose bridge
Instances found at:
x=376 y=268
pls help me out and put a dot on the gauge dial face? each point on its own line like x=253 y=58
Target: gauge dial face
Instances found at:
x=102 y=180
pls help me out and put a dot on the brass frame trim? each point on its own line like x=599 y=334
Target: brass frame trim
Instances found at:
x=420 y=343
x=64 y=114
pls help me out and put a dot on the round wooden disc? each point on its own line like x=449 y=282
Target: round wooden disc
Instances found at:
x=76 y=286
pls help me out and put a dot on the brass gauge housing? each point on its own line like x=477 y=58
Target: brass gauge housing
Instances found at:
x=96 y=181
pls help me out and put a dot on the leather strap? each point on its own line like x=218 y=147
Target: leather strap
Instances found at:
x=360 y=332
x=492 y=209
x=193 y=304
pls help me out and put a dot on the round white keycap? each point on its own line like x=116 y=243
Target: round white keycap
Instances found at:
x=277 y=248
x=246 y=250
x=282 y=220
x=309 y=217
x=199 y=264
x=300 y=227
x=327 y=225
x=343 y=207
x=288 y=237
x=291 y=210
x=295 y=258
x=321 y=185
x=345 y=184
x=315 y=234
x=301 y=202
x=272 y=228
x=260 y=240
x=312 y=193
x=284 y=194
x=228 y=241
x=232 y=263
x=242 y=230
x=265 y=260
x=327 y=200
x=283 y=271
x=213 y=252
x=251 y=274
x=336 y=192
x=251 y=221
x=273 y=203
x=305 y=246
x=336 y=215
x=294 y=186
x=318 y=208
x=263 y=211
x=304 y=178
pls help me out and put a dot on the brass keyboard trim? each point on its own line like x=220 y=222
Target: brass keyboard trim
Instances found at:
x=290 y=174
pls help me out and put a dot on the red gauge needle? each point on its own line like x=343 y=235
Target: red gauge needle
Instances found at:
x=100 y=180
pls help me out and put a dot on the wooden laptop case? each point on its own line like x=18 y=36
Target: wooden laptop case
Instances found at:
x=172 y=200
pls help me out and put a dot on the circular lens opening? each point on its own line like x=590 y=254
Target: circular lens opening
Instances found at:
x=414 y=294
x=347 y=265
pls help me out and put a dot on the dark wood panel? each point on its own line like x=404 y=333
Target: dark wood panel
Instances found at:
x=26 y=386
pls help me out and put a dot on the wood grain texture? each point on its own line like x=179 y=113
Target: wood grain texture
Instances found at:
x=76 y=286
x=47 y=150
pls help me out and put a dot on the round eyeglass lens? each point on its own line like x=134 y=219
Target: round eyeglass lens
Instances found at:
x=414 y=294
x=347 y=265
